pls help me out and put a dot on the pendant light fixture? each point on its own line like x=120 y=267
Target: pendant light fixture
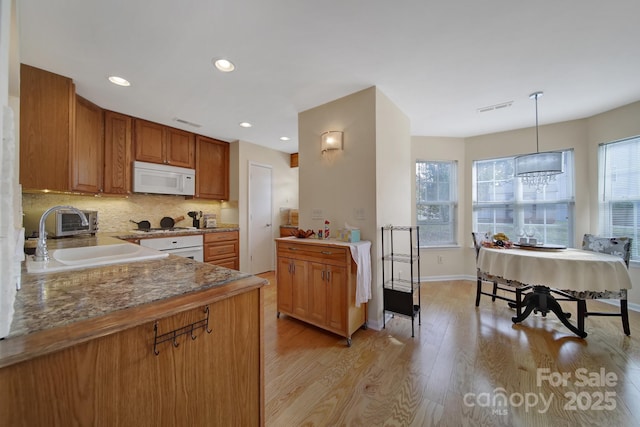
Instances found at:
x=538 y=169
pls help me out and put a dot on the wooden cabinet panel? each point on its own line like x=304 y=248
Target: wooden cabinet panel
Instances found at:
x=156 y=143
x=222 y=249
x=87 y=148
x=47 y=126
x=325 y=295
x=318 y=302
x=214 y=380
x=117 y=153
x=149 y=142
x=300 y=288
x=220 y=236
x=337 y=287
x=231 y=263
x=62 y=139
x=180 y=148
x=212 y=169
x=285 y=285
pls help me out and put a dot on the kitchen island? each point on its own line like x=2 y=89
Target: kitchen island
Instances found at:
x=168 y=341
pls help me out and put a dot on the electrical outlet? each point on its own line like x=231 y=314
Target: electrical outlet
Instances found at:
x=316 y=214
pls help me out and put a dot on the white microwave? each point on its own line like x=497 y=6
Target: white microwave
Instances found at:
x=163 y=179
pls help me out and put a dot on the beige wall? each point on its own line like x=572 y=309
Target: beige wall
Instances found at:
x=451 y=265
x=339 y=182
x=394 y=175
x=284 y=189
x=368 y=183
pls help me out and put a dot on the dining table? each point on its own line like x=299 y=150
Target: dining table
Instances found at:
x=550 y=269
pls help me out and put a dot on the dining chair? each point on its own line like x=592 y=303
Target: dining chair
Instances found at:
x=618 y=246
x=513 y=287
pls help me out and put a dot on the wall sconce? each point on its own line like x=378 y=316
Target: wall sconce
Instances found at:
x=331 y=140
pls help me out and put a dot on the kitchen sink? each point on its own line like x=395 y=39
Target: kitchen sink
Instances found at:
x=92 y=256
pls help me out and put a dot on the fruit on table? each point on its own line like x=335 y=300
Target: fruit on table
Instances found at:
x=303 y=233
x=500 y=237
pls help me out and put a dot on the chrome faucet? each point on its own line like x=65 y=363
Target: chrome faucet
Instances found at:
x=42 y=254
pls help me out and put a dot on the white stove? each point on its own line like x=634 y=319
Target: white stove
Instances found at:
x=184 y=246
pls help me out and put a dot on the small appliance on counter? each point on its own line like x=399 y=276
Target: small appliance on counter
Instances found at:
x=196 y=216
x=61 y=223
x=209 y=220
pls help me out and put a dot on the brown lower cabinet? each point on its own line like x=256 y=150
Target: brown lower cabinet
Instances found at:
x=215 y=379
x=317 y=284
x=222 y=248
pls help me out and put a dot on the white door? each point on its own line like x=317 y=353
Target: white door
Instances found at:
x=261 y=245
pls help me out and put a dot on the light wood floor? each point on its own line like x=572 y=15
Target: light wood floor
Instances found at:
x=460 y=360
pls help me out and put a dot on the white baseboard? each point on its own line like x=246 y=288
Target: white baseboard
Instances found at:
x=447 y=278
x=378 y=326
x=631 y=306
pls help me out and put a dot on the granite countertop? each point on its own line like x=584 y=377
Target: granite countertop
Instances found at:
x=50 y=303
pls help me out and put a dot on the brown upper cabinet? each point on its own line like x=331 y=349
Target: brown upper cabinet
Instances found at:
x=118 y=129
x=47 y=127
x=156 y=143
x=212 y=169
x=87 y=148
x=70 y=144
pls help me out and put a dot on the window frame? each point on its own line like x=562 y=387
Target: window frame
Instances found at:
x=522 y=203
x=451 y=202
x=607 y=201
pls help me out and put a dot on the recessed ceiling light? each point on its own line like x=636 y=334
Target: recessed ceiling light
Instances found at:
x=224 y=65
x=119 y=81
x=285 y=138
x=245 y=124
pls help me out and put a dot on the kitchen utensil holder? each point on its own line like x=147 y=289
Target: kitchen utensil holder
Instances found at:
x=184 y=330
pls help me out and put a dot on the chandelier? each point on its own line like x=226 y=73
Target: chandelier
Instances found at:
x=538 y=169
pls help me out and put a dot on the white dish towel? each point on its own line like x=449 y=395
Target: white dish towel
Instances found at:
x=361 y=253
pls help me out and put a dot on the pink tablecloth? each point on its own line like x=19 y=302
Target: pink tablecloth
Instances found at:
x=571 y=269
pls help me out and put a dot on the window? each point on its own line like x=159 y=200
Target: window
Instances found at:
x=502 y=203
x=436 y=202
x=619 y=190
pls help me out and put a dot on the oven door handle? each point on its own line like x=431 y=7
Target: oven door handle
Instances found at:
x=179 y=250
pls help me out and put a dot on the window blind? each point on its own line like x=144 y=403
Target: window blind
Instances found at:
x=619 y=190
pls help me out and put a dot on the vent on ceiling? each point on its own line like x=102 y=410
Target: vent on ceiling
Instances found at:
x=185 y=122
x=495 y=107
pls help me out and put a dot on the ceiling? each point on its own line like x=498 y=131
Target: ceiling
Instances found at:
x=438 y=61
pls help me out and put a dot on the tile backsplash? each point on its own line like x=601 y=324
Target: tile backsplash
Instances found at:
x=114 y=213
